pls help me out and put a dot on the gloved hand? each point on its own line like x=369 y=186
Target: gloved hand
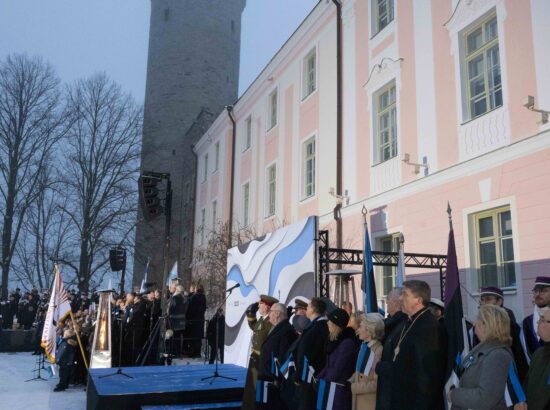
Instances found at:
x=289 y=311
x=252 y=309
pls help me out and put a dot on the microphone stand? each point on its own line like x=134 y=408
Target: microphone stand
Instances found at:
x=119 y=370
x=216 y=373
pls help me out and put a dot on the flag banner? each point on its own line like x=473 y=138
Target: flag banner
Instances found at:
x=287 y=365
x=400 y=271
x=262 y=388
x=143 y=288
x=173 y=273
x=455 y=324
x=513 y=394
x=365 y=359
x=59 y=308
x=274 y=366
x=307 y=372
x=368 y=284
x=325 y=395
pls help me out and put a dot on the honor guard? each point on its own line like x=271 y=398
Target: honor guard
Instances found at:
x=260 y=329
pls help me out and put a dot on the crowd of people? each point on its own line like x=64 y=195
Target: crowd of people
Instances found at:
x=317 y=355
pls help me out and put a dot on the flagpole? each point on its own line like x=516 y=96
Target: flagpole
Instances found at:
x=78 y=338
x=364 y=212
x=450 y=213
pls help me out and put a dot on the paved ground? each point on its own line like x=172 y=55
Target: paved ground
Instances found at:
x=15 y=393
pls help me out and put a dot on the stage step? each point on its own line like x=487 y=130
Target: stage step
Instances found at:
x=204 y=406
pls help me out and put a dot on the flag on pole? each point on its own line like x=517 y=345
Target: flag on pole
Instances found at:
x=173 y=273
x=367 y=283
x=58 y=309
x=455 y=324
x=143 y=288
x=400 y=271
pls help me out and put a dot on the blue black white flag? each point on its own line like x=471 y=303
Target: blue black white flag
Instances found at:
x=262 y=387
x=513 y=394
x=307 y=372
x=143 y=287
x=325 y=395
x=364 y=360
x=287 y=365
x=368 y=285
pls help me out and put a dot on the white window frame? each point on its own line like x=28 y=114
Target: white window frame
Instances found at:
x=245 y=196
x=466 y=57
x=309 y=75
x=216 y=157
x=214 y=214
x=391 y=110
x=201 y=228
x=272 y=113
x=269 y=211
x=247 y=140
x=305 y=158
x=390 y=7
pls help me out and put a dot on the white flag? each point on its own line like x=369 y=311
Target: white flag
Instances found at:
x=58 y=309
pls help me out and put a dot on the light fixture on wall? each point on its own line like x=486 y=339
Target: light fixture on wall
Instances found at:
x=529 y=103
x=339 y=198
x=407 y=160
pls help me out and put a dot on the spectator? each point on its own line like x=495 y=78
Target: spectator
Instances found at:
x=537 y=388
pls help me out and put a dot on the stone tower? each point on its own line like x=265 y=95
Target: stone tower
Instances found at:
x=192 y=73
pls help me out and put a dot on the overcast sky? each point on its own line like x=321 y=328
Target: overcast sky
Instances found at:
x=80 y=37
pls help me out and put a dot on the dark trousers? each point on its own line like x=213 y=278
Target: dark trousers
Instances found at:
x=64 y=376
x=249 y=394
x=213 y=354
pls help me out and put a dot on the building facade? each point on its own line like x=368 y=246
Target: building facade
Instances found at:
x=435 y=111
x=192 y=73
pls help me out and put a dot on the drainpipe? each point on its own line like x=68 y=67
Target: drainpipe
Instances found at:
x=229 y=109
x=339 y=193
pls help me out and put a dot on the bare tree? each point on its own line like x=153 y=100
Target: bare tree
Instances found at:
x=100 y=173
x=31 y=123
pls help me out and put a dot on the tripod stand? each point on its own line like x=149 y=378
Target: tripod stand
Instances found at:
x=216 y=373
x=119 y=370
x=40 y=366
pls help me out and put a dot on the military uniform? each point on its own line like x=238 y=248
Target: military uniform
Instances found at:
x=260 y=329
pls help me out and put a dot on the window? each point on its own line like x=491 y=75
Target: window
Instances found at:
x=271 y=189
x=383 y=10
x=214 y=215
x=309 y=82
x=217 y=157
x=388 y=243
x=246 y=204
x=187 y=191
x=201 y=228
x=386 y=124
x=205 y=164
x=495 y=248
x=308 y=168
x=272 y=110
x=482 y=68
x=247 y=133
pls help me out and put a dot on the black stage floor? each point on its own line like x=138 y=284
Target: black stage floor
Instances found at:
x=164 y=385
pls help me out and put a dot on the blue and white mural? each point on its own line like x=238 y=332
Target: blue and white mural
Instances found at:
x=280 y=264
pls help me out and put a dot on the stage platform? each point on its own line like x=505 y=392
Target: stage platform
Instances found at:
x=177 y=386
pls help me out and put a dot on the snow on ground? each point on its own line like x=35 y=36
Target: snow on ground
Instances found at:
x=15 y=393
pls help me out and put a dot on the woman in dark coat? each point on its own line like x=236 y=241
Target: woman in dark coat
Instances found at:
x=483 y=380
x=342 y=352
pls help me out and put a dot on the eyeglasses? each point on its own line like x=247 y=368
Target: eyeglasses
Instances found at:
x=541 y=320
x=541 y=291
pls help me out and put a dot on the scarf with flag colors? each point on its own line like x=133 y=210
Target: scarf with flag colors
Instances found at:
x=325 y=395
x=59 y=308
x=458 y=344
x=365 y=359
x=368 y=284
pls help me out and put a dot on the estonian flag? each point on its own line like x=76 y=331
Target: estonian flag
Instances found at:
x=513 y=394
x=285 y=368
x=455 y=324
x=307 y=372
x=364 y=360
x=325 y=395
x=261 y=391
x=367 y=283
x=143 y=287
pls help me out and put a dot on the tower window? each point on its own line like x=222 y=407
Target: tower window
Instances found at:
x=166 y=14
x=232 y=26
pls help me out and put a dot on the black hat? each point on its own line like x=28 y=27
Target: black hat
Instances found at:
x=492 y=291
x=542 y=282
x=339 y=317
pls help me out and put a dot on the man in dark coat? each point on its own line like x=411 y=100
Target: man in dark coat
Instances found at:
x=136 y=326
x=215 y=334
x=260 y=329
x=177 y=309
x=418 y=366
x=541 y=297
x=311 y=351
x=195 y=319
x=272 y=354
x=392 y=326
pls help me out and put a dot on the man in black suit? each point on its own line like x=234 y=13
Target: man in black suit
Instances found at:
x=311 y=351
x=417 y=367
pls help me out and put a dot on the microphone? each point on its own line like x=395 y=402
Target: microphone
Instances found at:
x=233 y=287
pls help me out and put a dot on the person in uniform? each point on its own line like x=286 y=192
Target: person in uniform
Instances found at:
x=260 y=328
x=300 y=307
x=530 y=340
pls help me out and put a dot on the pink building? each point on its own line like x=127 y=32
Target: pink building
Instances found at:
x=443 y=83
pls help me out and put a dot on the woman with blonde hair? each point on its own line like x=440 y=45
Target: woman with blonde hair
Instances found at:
x=364 y=380
x=485 y=369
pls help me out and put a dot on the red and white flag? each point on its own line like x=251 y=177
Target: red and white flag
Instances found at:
x=58 y=309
